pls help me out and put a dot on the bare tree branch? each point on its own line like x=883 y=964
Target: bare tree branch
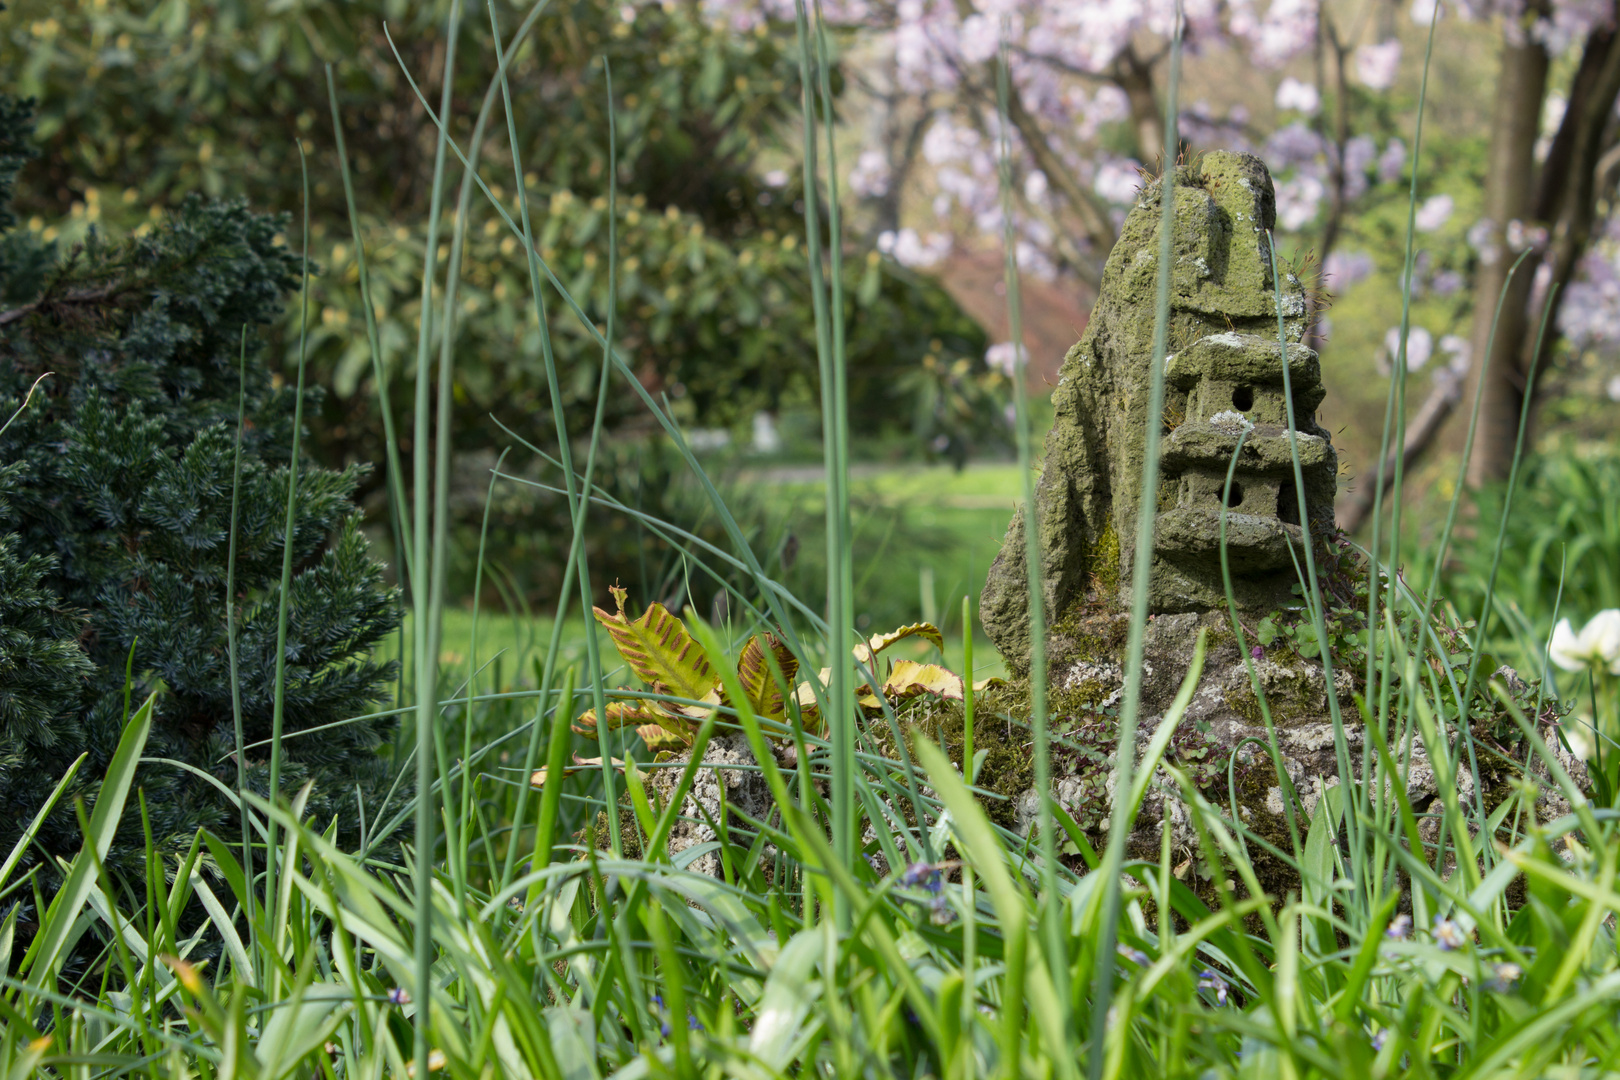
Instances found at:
x=86 y=296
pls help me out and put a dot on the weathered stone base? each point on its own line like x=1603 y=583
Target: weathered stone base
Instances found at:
x=1221 y=741
x=745 y=790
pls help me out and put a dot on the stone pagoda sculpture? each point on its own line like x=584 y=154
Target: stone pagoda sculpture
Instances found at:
x=1223 y=376
x=1225 y=373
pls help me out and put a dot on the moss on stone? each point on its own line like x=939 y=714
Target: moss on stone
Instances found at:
x=1175 y=412
x=1009 y=768
x=1102 y=562
x=629 y=831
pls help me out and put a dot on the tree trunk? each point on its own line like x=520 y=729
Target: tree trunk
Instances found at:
x=1134 y=75
x=1569 y=186
x=1510 y=195
x=903 y=138
x=1570 y=183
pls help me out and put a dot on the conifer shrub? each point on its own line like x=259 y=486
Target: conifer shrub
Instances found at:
x=116 y=488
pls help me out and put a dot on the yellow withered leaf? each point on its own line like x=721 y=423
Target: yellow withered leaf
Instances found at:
x=697 y=712
x=759 y=683
x=867 y=652
x=619 y=714
x=660 y=738
x=809 y=711
x=580 y=765
x=824 y=676
x=659 y=650
x=909 y=678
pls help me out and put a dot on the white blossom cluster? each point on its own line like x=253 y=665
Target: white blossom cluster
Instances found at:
x=1064 y=56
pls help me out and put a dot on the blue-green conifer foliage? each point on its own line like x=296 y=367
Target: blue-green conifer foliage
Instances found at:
x=115 y=527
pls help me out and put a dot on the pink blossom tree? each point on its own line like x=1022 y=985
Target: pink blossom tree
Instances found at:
x=1086 y=116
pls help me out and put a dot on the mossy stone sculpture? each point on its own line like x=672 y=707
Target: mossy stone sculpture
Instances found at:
x=1223 y=377
x=1225 y=373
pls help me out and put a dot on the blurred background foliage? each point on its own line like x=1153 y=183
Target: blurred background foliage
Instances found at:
x=141 y=104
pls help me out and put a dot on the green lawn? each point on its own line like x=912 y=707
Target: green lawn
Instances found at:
x=924 y=539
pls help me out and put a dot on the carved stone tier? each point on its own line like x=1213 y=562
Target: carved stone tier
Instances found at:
x=1224 y=375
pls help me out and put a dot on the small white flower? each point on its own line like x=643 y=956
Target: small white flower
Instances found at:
x=1596 y=646
x=1377 y=65
x=1434 y=213
x=1298 y=96
x=1419 y=346
x=1006 y=358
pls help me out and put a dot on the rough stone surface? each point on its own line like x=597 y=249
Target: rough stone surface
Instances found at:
x=1224 y=378
x=745 y=789
x=1224 y=374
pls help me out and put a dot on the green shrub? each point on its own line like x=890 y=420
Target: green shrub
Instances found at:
x=712 y=307
x=117 y=507
x=1563 y=534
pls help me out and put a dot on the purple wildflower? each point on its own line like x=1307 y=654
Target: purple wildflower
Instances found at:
x=1258 y=652
x=924 y=876
x=1448 y=935
x=1209 y=980
x=399 y=996
x=1399 y=926
x=1135 y=956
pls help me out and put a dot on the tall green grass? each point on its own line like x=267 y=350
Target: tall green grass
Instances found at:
x=868 y=918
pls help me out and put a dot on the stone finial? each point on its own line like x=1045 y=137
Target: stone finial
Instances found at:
x=1224 y=375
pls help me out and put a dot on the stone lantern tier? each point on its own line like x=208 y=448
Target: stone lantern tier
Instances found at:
x=1221 y=387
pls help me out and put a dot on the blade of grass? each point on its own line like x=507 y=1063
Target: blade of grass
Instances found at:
x=839 y=705
x=1313 y=585
x=455 y=849
x=1285 y=783
x=40 y=962
x=1054 y=941
x=284 y=599
x=379 y=372
x=27 y=398
x=1378 y=690
x=577 y=504
x=425 y=603
x=967 y=691
x=20 y=848
x=556 y=760
x=1502 y=529
x=466 y=809
x=230 y=646
x=1102 y=991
